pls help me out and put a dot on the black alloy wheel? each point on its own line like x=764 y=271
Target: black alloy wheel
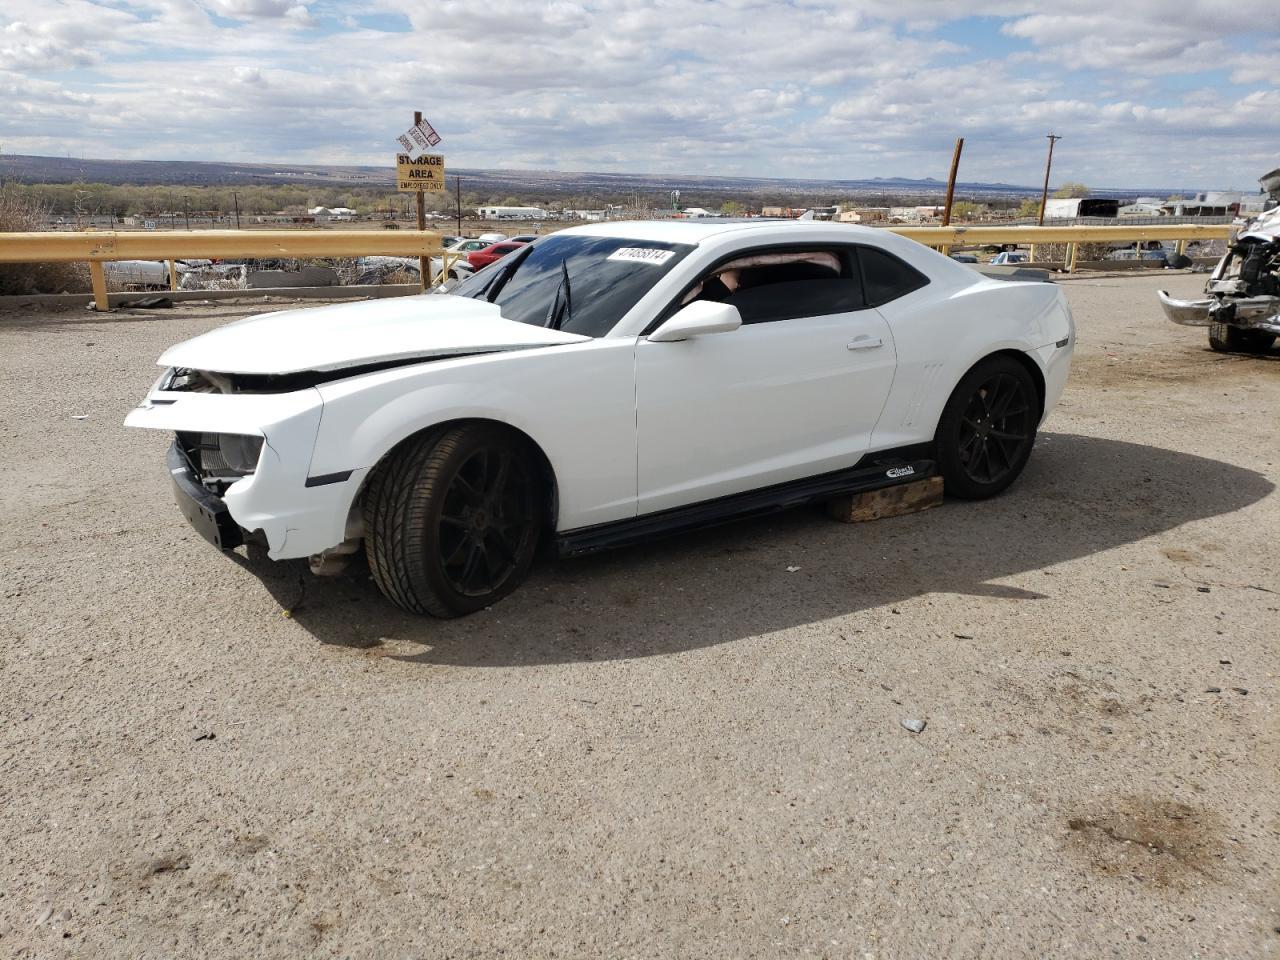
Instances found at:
x=988 y=428
x=452 y=519
x=485 y=520
x=995 y=429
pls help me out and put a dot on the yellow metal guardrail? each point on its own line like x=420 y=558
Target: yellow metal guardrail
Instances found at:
x=97 y=247
x=946 y=237
x=962 y=235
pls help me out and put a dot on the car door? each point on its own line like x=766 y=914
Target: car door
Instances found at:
x=794 y=392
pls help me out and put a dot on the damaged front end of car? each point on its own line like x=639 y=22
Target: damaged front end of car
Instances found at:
x=244 y=403
x=1243 y=292
x=239 y=461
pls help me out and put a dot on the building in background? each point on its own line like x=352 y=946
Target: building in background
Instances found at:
x=1210 y=203
x=512 y=213
x=915 y=214
x=1143 y=207
x=1073 y=207
x=863 y=215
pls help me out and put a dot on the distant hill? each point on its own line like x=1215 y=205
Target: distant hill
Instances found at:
x=33 y=169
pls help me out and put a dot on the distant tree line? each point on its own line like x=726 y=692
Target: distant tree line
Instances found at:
x=121 y=200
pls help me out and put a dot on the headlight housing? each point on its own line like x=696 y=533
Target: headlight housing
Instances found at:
x=239 y=453
x=219 y=458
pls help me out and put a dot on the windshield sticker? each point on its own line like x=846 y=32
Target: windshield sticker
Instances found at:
x=642 y=255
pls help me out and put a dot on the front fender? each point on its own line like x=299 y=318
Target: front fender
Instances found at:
x=353 y=436
x=576 y=402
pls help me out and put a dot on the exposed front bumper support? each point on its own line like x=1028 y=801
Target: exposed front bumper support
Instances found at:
x=204 y=510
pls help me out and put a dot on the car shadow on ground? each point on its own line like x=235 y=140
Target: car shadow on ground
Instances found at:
x=1079 y=496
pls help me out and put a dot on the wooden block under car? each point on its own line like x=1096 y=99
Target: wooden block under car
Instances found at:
x=889 y=502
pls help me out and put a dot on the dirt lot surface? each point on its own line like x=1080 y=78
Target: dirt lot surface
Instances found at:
x=680 y=750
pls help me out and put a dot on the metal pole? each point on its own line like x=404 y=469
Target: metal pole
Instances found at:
x=457 y=191
x=235 y=197
x=951 y=181
x=1044 y=194
x=424 y=265
x=186 y=213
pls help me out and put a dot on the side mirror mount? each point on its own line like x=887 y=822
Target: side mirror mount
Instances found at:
x=696 y=319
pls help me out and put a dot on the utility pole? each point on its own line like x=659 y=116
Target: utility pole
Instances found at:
x=424 y=264
x=951 y=181
x=457 y=194
x=1044 y=194
x=186 y=212
x=235 y=198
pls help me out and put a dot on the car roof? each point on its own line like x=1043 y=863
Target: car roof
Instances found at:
x=696 y=231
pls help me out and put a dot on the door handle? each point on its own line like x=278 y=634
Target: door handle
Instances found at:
x=865 y=343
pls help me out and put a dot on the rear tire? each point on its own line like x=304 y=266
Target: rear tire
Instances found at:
x=1225 y=338
x=987 y=429
x=452 y=520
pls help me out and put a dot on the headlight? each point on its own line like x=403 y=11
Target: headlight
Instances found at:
x=240 y=453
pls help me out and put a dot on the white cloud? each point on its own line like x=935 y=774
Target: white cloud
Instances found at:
x=261 y=10
x=805 y=88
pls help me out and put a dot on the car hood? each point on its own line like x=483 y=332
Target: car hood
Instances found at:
x=359 y=334
x=1264 y=227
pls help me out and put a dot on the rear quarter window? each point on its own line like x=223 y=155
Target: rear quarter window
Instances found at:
x=885 y=277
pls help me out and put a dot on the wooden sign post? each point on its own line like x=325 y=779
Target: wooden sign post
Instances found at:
x=424 y=264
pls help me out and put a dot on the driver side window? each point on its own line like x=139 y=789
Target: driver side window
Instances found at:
x=790 y=284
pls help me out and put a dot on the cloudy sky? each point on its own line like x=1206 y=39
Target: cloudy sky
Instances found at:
x=1144 y=92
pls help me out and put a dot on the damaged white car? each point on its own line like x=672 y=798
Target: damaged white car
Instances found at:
x=606 y=384
x=1242 y=309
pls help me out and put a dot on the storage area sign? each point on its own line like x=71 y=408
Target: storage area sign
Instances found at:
x=419 y=173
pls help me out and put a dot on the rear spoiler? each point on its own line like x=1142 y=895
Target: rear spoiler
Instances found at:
x=1023 y=274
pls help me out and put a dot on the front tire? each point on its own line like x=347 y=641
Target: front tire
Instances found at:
x=1225 y=338
x=987 y=429
x=452 y=520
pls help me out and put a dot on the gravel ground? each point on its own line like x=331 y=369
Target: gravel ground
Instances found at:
x=677 y=750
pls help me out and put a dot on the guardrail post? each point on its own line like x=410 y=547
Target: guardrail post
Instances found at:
x=1180 y=247
x=1071 y=257
x=173 y=275
x=98 y=277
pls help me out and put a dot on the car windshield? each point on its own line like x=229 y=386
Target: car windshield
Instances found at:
x=579 y=284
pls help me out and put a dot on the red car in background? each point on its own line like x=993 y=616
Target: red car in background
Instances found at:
x=495 y=251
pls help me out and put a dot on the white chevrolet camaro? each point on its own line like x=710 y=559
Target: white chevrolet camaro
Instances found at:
x=606 y=384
